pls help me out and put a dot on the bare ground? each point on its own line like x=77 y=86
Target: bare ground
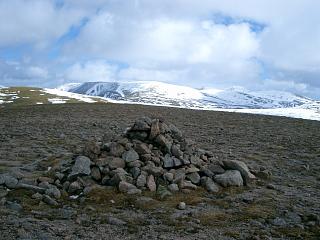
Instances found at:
x=284 y=206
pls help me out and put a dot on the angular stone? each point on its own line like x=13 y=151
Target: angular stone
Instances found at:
x=175 y=151
x=81 y=167
x=177 y=162
x=241 y=167
x=179 y=176
x=95 y=173
x=151 y=169
x=192 y=169
x=229 y=178
x=193 y=177
x=130 y=156
x=215 y=168
x=151 y=184
x=142 y=124
x=209 y=185
x=155 y=129
x=177 y=134
x=187 y=185
x=164 y=142
x=168 y=161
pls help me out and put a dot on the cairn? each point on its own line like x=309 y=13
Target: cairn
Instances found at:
x=152 y=155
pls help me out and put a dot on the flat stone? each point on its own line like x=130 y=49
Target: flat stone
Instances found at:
x=229 y=178
x=81 y=167
x=31 y=187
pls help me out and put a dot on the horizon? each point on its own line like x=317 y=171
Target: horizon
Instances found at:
x=259 y=46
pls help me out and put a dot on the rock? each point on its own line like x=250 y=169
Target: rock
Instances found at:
x=74 y=188
x=229 y=178
x=216 y=168
x=168 y=161
x=10 y=181
x=53 y=192
x=175 y=151
x=279 y=222
x=151 y=184
x=241 y=167
x=206 y=172
x=133 y=164
x=142 y=149
x=115 y=162
x=187 y=185
x=44 y=185
x=81 y=167
x=126 y=187
x=192 y=169
x=142 y=124
x=209 y=185
x=155 y=129
x=33 y=188
x=91 y=149
x=151 y=169
x=3 y=193
x=163 y=192
x=177 y=162
x=120 y=175
x=182 y=206
x=193 y=177
x=177 y=134
x=130 y=156
x=37 y=196
x=134 y=192
x=95 y=173
x=116 y=149
x=173 y=187
x=164 y=143
x=115 y=221
x=135 y=172
x=48 y=200
x=142 y=180
x=168 y=176
x=179 y=176
x=14 y=206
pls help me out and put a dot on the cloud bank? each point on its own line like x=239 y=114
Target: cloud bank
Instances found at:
x=265 y=44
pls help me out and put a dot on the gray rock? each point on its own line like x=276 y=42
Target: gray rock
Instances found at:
x=142 y=180
x=179 y=176
x=46 y=179
x=50 y=201
x=135 y=191
x=3 y=193
x=81 y=167
x=53 y=192
x=151 y=169
x=173 y=187
x=135 y=172
x=44 y=185
x=193 y=177
x=182 y=206
x=163 y=192
x=126 y=187
x=168 y=176
x=151 y=184
x=164 y=142
x=216 y=168
x=133 y=164
x=177 y=134
x=177 y=162
x=95 y=173
x=209 y=185
x=10 y=181
x=130 y=156
x=229 y=178
x=33 y=188
x=279 y=222
x=120 y=175
x=175 y=150
x=206 y=172
x=241 y=167
x=187 y=185
x=168 y=161
x=14 y=206
x=115 y=221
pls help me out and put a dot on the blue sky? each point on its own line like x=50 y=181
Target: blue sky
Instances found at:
x=260 y=45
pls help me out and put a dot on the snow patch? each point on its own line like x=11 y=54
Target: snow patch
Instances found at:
x=57 y=100
x=61 y=93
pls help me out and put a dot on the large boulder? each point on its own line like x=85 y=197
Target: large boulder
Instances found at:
x=241 y=167
x=229 y=178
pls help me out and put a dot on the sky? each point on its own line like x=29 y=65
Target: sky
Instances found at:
x=256 y=44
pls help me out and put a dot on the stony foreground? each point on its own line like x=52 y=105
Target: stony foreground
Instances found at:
x=282 y=206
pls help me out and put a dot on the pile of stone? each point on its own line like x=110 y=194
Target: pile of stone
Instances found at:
x=150 y=156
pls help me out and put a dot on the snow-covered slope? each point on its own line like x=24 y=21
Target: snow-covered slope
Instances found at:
x=175 y=95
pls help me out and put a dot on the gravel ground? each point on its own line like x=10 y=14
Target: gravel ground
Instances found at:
x=285 y=205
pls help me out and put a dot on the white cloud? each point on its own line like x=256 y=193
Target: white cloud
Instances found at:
x=91 y=71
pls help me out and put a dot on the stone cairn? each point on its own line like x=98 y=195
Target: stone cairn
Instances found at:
x=150 y=156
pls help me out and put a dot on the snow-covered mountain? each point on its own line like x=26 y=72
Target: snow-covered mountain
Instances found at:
x=159 y=93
